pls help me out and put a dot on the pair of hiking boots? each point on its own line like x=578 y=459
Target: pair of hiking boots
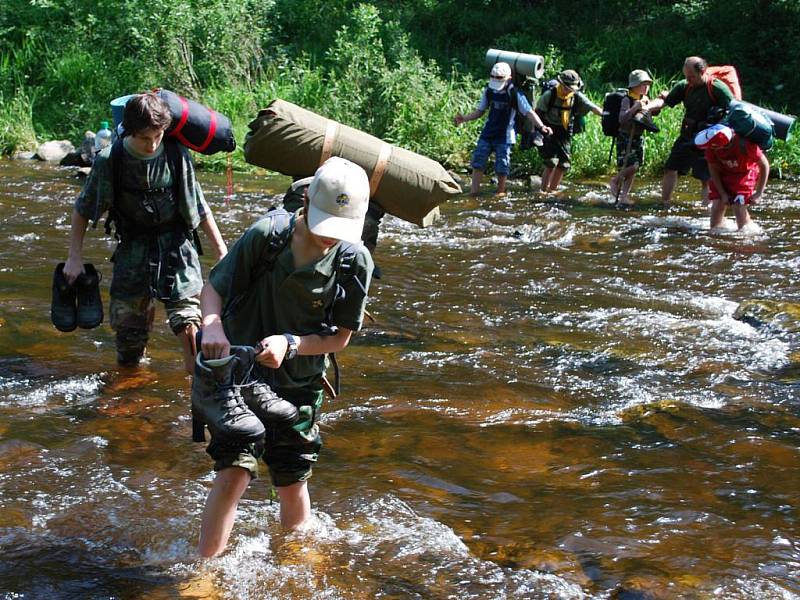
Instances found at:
x=233 y=405
x=77 y=304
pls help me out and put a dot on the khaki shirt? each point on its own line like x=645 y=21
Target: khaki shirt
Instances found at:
x=289 y=300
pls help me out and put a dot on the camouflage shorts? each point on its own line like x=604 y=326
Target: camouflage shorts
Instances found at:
x=290 y=452
x=139 y=313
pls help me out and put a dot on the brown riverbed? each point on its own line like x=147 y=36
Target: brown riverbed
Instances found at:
x=555 y=401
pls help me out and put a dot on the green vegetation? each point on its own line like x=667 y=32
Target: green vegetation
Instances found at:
x=399 y=70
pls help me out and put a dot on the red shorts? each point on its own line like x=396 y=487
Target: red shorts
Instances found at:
x=740 y=187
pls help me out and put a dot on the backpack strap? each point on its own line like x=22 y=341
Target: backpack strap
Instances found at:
x=278 y=236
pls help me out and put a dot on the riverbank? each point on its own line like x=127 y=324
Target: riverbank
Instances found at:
x=371 y=65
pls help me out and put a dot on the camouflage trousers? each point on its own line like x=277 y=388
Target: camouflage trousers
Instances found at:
x=132 y=320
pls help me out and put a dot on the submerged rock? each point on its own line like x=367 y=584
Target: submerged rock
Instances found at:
x=784 y=316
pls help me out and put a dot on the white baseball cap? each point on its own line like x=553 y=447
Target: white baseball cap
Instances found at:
x=500 y=73
x=338 y=198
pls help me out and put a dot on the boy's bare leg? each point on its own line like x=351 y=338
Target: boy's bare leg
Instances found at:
x=718 y=207
x=627 y=184
x=555 y=178
x=220 y=510
x=546 y=175
x=295 y=505
x=475 y=187
x=668 y=183
x=742 y=215
x=188 y=346
x=704 y=192
x=501 y=184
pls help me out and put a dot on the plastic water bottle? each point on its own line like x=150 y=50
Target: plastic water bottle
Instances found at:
x=103 y=137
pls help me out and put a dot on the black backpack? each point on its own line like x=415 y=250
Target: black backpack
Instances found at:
x=611 y=107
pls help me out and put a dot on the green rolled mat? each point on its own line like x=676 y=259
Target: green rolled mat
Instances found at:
x=294 y=141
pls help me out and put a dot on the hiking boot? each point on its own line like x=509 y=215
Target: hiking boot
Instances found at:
x=63 y=312
x=269 y=407
x=217 y=400
x=90 y=305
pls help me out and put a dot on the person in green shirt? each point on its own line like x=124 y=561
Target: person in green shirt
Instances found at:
x=148 y=184
x=699 y=93
x=294 y=312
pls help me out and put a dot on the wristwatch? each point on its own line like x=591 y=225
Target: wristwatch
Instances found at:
x=291 y=350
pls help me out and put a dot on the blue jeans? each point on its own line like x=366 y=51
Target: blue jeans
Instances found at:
x=502 y=156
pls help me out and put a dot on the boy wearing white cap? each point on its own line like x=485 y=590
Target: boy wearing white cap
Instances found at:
x=296 y=310
x=738 y=169
x=503 y=101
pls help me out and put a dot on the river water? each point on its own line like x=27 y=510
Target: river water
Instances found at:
x=554 y=401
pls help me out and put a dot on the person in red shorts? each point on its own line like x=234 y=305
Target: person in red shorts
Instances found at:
x=738 y=169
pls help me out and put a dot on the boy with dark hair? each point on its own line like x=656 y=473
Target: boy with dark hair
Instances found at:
x=738 y=171
x=559 y=108
x=503 y=101
x=295 y=301
x=147 y=185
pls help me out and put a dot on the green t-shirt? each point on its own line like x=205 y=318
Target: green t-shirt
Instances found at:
x=697 y=100
x=289 y=300
x=148 y=202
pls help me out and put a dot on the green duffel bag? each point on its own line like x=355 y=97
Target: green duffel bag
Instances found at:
x=748 y=121
x=294 y=141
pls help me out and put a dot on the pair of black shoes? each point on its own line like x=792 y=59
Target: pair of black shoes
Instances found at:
x=77 y=304
x=234 y=405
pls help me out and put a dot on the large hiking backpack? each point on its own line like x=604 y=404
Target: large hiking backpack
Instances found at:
x=726 y=74
x=749 y=122
x=611 y=107
x=522 y=125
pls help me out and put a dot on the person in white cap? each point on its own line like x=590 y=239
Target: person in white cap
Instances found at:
x=738 y=169
x=301 y=282
x=503 y=101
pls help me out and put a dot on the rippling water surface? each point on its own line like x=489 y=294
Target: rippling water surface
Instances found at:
x=556 y=400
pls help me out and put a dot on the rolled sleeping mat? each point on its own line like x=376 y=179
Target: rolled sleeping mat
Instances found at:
x=294 y=141
x=531 y=65
x=198 y=127
x=782 y=124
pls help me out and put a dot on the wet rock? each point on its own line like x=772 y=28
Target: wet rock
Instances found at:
x=784 y=316
x=54 y=151
x=23 y=155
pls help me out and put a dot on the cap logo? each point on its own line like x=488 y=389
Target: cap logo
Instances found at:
x=342 y=199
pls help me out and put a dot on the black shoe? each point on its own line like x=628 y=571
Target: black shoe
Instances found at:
x=217 y=400
x=269 y=407
x=63 y=312
x=90 y=305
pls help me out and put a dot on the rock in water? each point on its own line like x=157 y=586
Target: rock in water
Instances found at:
x=54 y=151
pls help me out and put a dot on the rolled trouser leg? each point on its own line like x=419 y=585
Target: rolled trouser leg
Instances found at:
x=184 y=320
x=132 y=320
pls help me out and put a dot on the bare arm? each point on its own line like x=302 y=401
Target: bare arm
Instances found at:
x=215 y=343
x=275 y=346
x=475 y=114
x=74 y=264
x=713 y=170
x=211 y=230
x=763 y=175
x=538 y=124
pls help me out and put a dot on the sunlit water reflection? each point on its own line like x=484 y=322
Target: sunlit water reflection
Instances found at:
x=557 y=400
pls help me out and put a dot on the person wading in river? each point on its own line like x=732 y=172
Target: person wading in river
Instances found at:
x=739 y=171
x=295 y=311
x=147 y=184
x=699 y=94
